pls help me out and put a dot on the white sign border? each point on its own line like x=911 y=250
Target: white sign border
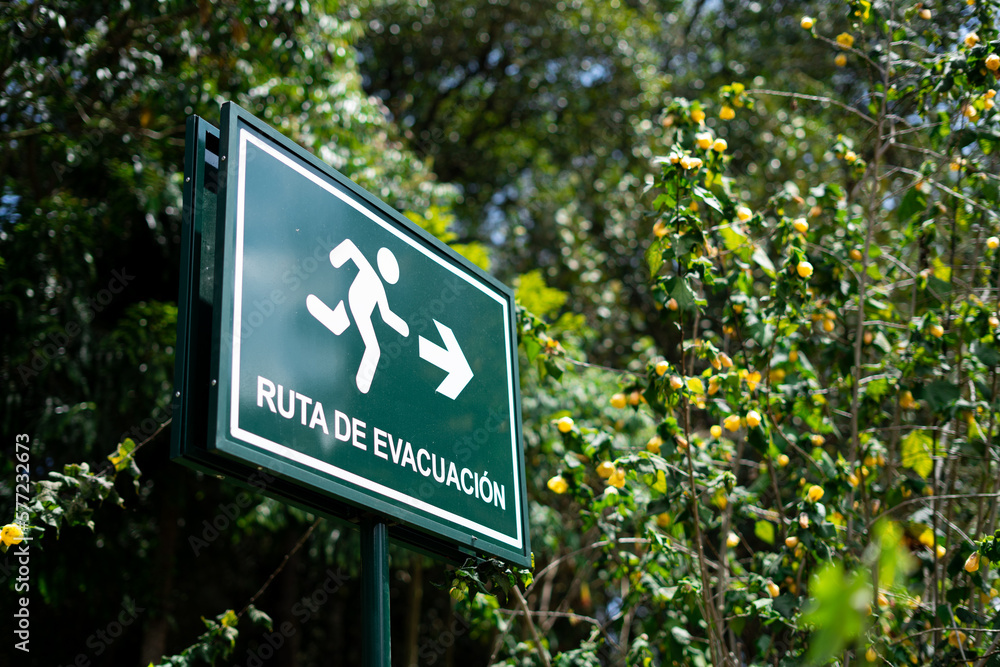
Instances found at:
x=246 y=137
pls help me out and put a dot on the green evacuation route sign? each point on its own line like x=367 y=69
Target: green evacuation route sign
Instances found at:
x=358 y=365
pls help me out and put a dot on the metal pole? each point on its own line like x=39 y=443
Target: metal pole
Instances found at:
x=375 y=593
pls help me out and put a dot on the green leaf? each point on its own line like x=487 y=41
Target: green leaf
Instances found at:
x=731 y=238
x=257 y=617
x=679 y=289
x=707 y=197
x=917 y=453
x=914 y=202
x=785 y=604
x=764 y=530
x=763 y=261
x=941 y=395
x=534 y=295
x=837 y=609
x=986 y=353
x=654 y=257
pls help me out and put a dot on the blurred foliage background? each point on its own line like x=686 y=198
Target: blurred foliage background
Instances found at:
x=523 y=133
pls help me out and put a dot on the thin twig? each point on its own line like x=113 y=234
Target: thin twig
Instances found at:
x=281 y=567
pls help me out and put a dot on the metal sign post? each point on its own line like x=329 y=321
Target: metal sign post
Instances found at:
x=376 y=650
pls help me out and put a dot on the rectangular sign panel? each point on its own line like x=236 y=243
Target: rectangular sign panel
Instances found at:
x=357 y=357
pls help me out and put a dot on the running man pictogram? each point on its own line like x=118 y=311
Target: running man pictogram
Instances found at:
x=366 y=292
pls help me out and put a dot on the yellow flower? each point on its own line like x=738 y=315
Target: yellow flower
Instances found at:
x=815 y=493
x=565 y=425
x=972 y=562
x=662 y=519
x=753 y=418
x=732 y=540
x=716 y=430
x=970 y=112
x=698 y=116
x=617 y=480
x=971 y=39
x=773 y=590
x=558 y=484
x=11 y=534
x=800 y=225
x=871 y=655
x=807 y=22
x=618 y=400
x=672 y=304
x=743 y=213
x=676 y=382
x=689 y=162
x=662 y=367
x=845 y=40
x=791 y=542
x=727 y=113
x=726 y=360
x=840 y=60
x=719 y=145
x=703 y=140
x=941 y=551
x=804 y=269
x=732 y=423
x=793 y=356
x=817 y=440
x=937 y=330
x=851 y=156
x=993 y=243
x=782 y=460
x=654 y=444
x=660 y=229
x=993 y=62
x=906 y=400
x=605 y=469
x=713 y=385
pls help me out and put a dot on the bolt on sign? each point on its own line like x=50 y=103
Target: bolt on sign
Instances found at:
x=326 y=340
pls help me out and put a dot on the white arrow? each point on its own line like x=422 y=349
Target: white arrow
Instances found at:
x=451 y=360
